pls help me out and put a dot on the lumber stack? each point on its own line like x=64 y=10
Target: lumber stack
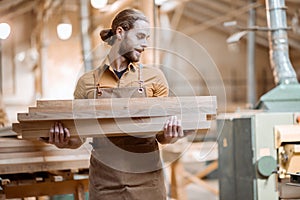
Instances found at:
x=115 y=117
x=26 y=156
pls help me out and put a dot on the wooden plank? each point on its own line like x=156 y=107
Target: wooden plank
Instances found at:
x=7 y=142
x=102 y=114
x=13 y=144
x=109 y=127
x=119 y=108
x=44 y=188
x=24 y=167
x=118 y=116
x=123 y=104
x=106 y=103
x=34 y=158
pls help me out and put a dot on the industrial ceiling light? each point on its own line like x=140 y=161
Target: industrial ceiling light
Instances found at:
x=4 y=30
x=64 y=29
x=236 y=36
x=160 y=2
x=98 y=4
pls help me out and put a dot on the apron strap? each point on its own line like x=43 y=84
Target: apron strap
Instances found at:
x=141 y=82
x=97 y=75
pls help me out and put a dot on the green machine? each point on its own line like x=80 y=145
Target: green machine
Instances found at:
x=249 y=161
x=258 y=149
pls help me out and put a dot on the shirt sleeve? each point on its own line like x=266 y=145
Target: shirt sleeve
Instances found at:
x=161 y=87
x=80 y=90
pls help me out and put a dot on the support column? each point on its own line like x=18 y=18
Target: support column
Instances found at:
x=1 y=85
x=147 y=7
x=85 y=22
x=40 y=35
x=251 y=78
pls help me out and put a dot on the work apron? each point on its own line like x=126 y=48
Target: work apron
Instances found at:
x=125 y=167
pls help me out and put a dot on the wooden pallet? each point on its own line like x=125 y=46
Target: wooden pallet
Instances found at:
x=115 y=117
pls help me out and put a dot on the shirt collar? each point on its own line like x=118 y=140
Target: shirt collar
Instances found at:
x=131 y=66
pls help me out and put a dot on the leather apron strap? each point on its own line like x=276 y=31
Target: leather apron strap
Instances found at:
x=97 y=76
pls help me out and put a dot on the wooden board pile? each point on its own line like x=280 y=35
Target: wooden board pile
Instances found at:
x=115 y=117
x=25 y=156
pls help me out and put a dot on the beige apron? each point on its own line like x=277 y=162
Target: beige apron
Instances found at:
x=127 y=167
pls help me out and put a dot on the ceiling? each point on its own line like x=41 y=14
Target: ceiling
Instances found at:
x=205 y=14
x=212 y=14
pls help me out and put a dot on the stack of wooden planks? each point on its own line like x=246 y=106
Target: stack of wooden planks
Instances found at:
x=115 y=117
x=25 y=156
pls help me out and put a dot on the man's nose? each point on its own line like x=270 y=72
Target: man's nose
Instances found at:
x=144 y=43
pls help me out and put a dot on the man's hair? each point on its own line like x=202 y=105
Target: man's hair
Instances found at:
x=126 y=20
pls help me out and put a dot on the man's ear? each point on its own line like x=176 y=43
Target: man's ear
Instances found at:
x=120 y=33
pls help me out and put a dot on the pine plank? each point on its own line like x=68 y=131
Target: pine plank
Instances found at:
x=11 y=145
x=43 y=166
x=92 y=114
x=36 y=157
x=109 y=127
x=106 y=103
x=119 y=108
x=117 y=116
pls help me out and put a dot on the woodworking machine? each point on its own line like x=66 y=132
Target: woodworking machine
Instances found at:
x=259 y=150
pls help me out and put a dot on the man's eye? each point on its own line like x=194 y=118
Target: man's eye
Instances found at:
x=140 y=37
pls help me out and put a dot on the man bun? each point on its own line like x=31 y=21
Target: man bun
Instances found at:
x=125 y=19
x=107 y=36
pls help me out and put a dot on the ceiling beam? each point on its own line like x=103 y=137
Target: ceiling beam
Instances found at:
x=219 y=19
x=17 y=9
x=211 y=14
x=7 y=4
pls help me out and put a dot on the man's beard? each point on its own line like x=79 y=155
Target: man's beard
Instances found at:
x=128 y=54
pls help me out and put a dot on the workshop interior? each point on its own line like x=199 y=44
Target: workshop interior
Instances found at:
x=239 y=60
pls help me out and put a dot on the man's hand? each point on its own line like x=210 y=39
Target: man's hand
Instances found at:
x=172 y=131
x=61 y=138
x=59 y=135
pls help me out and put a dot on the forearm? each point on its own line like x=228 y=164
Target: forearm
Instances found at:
x=162 y=139
x=73 y=143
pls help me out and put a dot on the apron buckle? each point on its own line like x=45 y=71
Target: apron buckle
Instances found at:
x=141 y=90
x=99 y=91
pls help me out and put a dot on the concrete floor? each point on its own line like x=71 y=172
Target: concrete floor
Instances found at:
x=196 y=192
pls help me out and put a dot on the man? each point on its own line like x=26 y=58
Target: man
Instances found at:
x=124 y=167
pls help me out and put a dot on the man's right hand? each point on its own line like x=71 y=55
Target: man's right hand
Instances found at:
x=61 y=138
